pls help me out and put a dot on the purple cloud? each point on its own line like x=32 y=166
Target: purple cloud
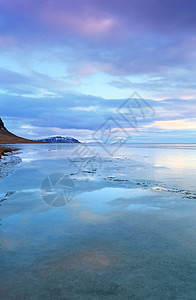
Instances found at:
x=151 y=40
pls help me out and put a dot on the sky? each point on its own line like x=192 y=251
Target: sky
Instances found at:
x=77 y=68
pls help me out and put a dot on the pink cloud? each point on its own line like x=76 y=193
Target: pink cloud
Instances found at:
x=82 y=23
x=87 y=69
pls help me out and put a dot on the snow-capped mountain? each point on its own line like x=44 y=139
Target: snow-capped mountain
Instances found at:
x=59 y=139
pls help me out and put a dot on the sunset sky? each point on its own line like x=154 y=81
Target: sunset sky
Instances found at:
x=67 y=66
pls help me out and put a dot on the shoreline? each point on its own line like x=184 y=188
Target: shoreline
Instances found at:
x=4 y=150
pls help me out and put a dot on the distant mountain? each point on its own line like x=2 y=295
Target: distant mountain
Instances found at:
x=6 y=137
x=59 y=139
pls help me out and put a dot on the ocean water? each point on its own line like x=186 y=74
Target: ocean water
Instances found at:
x=98 y=222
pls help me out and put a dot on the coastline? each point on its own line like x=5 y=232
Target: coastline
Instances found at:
x=4 y=150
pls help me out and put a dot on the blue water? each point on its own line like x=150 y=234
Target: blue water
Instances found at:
x=78 y=223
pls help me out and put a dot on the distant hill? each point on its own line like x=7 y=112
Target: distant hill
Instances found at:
x=59 y=139
x=6 y=137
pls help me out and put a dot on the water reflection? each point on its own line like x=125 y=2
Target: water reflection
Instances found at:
x=126 y=234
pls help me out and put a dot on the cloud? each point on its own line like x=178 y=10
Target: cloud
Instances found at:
x=120 y=39
x=81 y=115
x=80 y=108
x=174 y=124
x=6 y=41
x=83 y=24
x=57 y=55
x=159 y=16
x=33 y=83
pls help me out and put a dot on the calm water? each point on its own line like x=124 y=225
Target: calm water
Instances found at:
x=83 y=222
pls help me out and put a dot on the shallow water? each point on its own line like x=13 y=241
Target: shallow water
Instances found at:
x=78 y=223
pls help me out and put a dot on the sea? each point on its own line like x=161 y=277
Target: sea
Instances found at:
x=98 y=221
